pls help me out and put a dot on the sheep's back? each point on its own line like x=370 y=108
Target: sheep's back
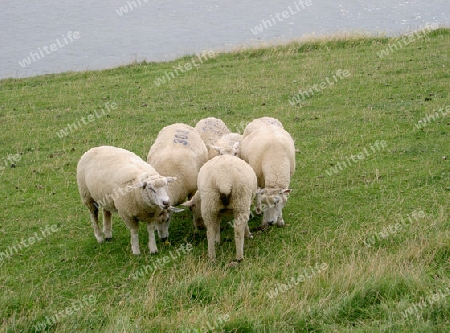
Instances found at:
x=227 y=173
x=103 y=170
x=271 y=153
x=211 y=129
x=179 y=152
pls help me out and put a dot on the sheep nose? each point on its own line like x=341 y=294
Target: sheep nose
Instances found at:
x=166 y=203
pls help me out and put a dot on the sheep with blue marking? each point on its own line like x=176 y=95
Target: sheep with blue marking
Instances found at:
x=211 y=130
x=180 y=152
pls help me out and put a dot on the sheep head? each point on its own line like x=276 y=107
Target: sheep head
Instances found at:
x=271 y=202
x=229 y=150
x=154 y=190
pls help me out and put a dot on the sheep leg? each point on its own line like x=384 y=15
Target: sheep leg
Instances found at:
x=212 y=233
x=151 y=238
x=248 y=234
x=107 y=220
x=280 y=221
x=264 y=224
x=93 y=212
x=217 y=223
x=240 y=229
x=133 y=225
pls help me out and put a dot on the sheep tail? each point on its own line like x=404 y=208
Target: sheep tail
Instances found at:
x=225 y=198
x=225 y=193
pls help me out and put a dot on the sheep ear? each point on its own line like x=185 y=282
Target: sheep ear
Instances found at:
x=170 y=179
x=215 y=147
x=285 y=191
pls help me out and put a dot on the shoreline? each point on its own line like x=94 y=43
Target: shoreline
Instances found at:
x=306 y=39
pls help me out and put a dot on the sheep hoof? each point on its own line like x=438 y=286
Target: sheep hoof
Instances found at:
x=108 y=239
x=154 y=252
x=234 y=264
x=100 y=240
x=264 y=227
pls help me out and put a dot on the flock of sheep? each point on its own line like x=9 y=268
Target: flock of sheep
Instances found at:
x=218 y=171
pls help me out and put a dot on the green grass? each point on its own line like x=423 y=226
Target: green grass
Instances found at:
x=363 y=289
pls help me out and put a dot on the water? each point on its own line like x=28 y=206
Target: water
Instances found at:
x=156 y=30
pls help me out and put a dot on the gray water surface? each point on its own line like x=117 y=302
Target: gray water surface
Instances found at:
x=156 y=30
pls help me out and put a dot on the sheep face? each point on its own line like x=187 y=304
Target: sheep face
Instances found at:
x=233 y=150
x=154 y=191
x=271 y=202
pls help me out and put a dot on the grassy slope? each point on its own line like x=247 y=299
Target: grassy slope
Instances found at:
x=363 y=289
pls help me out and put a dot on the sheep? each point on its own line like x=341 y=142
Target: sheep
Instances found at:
x=211 y=129
x=270 y=151
x=257 y=123
x=229 y=144
x=178 y=151
x=118 y=180
x=226 y=185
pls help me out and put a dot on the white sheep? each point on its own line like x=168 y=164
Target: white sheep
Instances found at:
x=211 y=129
x=228 y=144
x=257 y=123
x=226 y=185
x=270 y=151
x=117 y=180
x=178 y=151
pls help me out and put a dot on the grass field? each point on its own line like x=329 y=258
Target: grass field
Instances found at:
x=366 y=246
